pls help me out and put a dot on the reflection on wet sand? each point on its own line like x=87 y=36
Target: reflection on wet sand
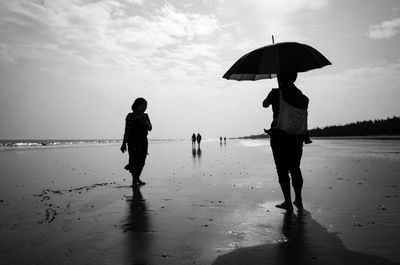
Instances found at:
x=196 y=153
x=305 y=242
x=137 y=228
x=199 y=152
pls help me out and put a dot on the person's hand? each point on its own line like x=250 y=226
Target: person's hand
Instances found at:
x=123 y=148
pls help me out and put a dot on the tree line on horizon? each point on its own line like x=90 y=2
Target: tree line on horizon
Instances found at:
x=389 y=126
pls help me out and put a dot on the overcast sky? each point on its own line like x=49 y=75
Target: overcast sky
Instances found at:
x=71 y=69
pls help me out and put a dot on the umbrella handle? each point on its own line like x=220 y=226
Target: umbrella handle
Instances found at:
x=273 y=40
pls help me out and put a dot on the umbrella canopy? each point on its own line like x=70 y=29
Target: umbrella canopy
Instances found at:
x=268 y=61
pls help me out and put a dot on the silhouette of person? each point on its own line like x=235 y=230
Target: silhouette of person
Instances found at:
x=198 y=138
x=193 y=139
x=137 y=126
x=220 y=140
x=224 y=140
x=287 y=149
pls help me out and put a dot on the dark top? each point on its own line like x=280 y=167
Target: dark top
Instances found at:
x=135 y=128
x=291 y=94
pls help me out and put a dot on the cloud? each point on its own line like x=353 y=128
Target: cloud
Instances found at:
x=368 y=92
x=98 y=32
x=253 y=22
x=105 y=33
x=166 y=27
x=271 y=6
x=377 y=77
x=387 y=29
x=139 y=2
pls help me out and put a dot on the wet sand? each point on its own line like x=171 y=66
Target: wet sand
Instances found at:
x=74 y=205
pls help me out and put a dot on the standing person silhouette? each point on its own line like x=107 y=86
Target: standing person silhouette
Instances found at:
x=137 y=126
x=287 y=148
x=198 y=139
x=193 y=139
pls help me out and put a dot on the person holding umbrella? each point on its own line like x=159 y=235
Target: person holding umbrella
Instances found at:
x=289 y=127
x=287 y=148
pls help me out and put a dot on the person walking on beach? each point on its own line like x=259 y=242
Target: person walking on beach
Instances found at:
x=198 y=139
x=193 y=139
x=287 y=147
x=220 y=140
x=137 y=126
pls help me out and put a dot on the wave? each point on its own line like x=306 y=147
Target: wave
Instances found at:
x=23 y=144
x=32 y=144
x=254 y=143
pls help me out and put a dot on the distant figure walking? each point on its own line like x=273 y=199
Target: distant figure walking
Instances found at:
x=287 y=136
x=137 y=126
x=198 y=138
x=224 y=140
x=193 y=139
x=220 y=140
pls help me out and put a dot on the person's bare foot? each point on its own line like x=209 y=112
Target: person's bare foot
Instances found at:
x=141 y=183
x=285 y=205
x=298 y=204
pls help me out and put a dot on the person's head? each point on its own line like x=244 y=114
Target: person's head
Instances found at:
x=139 y=105
x=286 y=78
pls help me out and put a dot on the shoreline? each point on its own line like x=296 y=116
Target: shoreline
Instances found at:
x=366 y=137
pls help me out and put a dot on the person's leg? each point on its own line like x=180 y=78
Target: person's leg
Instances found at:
x=139 y=169
x=295 y=172
x=142 y=155
x=287 y=204
x=132 y=163
x=137 y=158
x=279 y=151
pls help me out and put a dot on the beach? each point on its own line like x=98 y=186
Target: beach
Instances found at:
x=73 y=204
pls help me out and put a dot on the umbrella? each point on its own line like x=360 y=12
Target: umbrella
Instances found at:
x=278 y=58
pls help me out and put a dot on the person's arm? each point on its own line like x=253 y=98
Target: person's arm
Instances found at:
x=307 y=102
x=144 y=119
x=126 y=133
x=148 y=122
x=266 y=103
x=268 y=100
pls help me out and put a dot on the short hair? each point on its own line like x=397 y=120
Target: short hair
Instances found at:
x=287 y=78
x=137 y=103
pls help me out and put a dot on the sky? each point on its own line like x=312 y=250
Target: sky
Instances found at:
x=70 y=69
